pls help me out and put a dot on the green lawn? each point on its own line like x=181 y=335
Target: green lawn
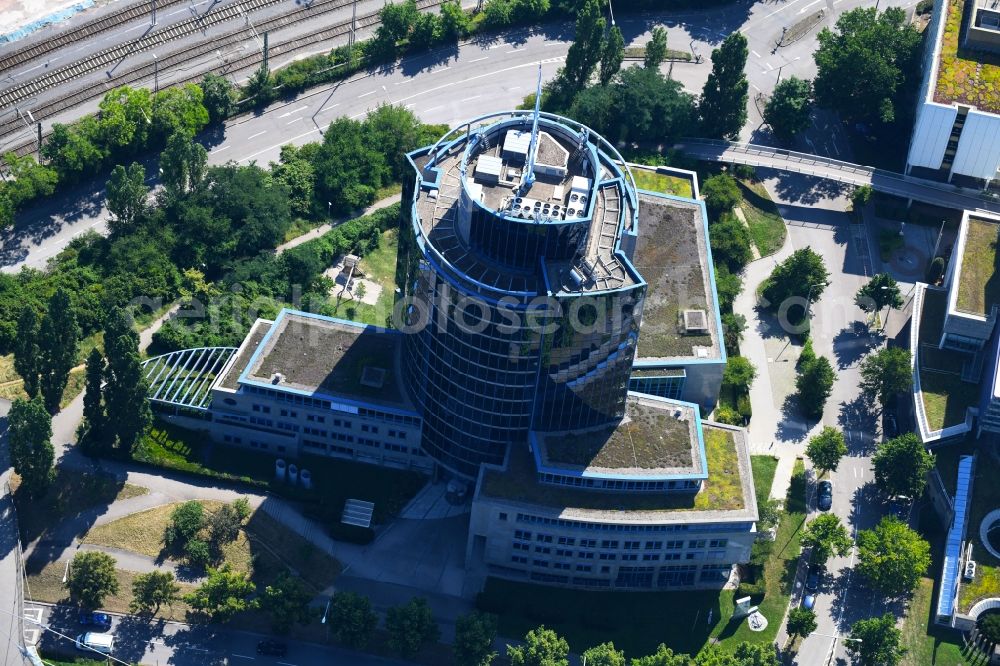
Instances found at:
x=763 y=475
x=926 y=643
x=63 y=660
x=767 y=228
x=649 y=179
x=334 y=480
x=779 y=570
x=379 y=265
x=979 y=282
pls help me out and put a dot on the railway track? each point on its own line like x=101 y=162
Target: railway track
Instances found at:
x=143 y=72
x=95 y=27
x=112 y=56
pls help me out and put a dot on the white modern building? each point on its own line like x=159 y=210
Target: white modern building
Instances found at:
x=956 y=136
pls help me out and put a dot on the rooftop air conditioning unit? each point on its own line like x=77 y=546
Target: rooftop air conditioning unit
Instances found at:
x=970 y=570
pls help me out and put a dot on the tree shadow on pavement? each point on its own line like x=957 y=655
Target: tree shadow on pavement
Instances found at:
x=793 y=426
x=188 y=645
x=852 y=342
x=858 y=415
x=808 y=190
x=132 y=634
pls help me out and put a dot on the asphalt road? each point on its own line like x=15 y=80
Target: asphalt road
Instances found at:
x=162 y=643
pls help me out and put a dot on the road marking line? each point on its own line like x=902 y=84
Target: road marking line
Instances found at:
x=470 y=98
x=551 y=43
x=411 y=104
x=755 y=53
x=756 y=88
x=242 y=656
x=770 y=67
x=803 y=10
x=479 y=59
x=279 y=145
x=256 y=135
x=471 y=78
x=514 y=88
x=358 y=115
x=301 y=108
x=294 y=120
x=514 y=51
x=285 y=663
x=446 y=67
x=370 y=92
x=219 y=150
x=434 y=108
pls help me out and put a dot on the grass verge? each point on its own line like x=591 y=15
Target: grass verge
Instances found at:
x=763 y=476
x=379 y=265
x=767 y=228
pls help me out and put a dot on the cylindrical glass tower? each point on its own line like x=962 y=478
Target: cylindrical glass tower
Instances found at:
x=519 y=298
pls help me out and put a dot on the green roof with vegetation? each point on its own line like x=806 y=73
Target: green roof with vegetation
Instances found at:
x=979 y=280
x=648 y=178
x=965 y=77
x=723 y=490
x=946 y=397
x=650 y=437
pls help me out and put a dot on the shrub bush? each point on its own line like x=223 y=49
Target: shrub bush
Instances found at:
x=743 y=406
x=728 y=415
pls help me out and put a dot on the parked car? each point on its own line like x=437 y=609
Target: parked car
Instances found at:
x=824 y=495
x=812 y=579
x=272 y=648
x=99 y=621
x=891 y=428
x=809 y=601
x=93 y=642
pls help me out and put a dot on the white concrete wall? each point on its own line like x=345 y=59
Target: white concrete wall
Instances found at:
x=978 y=153
x=930 y=135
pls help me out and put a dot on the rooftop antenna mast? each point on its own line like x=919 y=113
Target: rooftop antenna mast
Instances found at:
x=528 y=177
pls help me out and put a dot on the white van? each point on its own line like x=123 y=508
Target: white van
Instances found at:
x=93 y=642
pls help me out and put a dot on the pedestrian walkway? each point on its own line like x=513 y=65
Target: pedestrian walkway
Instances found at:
x=313 y=234
x=432 y=503
x=782 y=477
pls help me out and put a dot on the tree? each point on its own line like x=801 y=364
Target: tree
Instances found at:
x=721 y=193
x=498 y=13
x=224 y=526
x=124 y=120
x=58 y=339
x=454 y=21
x=988 y=628
x=604 y=654
x=410 y=627
x=827 y=536
x=612 y=55
x=223 y=594
x=656 y=48
x=198 y=553
x=26 y=353
x=768 y=513
x=892 y=556
x=128 y=414
x=178 y=109
x=730 y=242
x=826 y=449
x=543 y=647
x=126 y=196
x=186 y=521
x=801 y=276
x=71 y=151
x=152 y=590
x=886 y=373
x=801 y=622
x=287 y=602
x=475 y=633
x=724 y=98
x=861 y=196
x=814 y=384
x=426 y=31
x=739 y=373
x=91 y=578
x=585 y=52
x=352 y=619
x=866 y=62
x=879 y=292
x=733 y=327
x=901 y=466
x=93 y=406
x=260 y=87
x=397 y=19
x=789 y=108
x=31 y=453
x=217 y=96
x=875 y=642
x=663 y=656
x=182 y=164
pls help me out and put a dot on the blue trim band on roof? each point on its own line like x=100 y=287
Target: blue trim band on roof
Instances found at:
x=953 y=547
x=584 y=474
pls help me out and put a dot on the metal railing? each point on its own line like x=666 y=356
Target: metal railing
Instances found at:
x=889 y=182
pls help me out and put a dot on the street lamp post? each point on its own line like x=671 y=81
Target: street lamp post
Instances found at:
x=66 y=572
x=152 y=22
x=156 y=73
x=612 y=12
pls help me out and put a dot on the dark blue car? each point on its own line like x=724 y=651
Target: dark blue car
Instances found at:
x=100 y=621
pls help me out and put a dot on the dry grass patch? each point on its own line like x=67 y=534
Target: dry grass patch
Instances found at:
x=47 y=586
x=140 y=532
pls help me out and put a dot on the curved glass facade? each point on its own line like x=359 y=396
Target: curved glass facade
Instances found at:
x=522 y=309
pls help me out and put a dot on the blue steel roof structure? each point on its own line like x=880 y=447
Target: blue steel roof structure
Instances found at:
x=953 y=547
